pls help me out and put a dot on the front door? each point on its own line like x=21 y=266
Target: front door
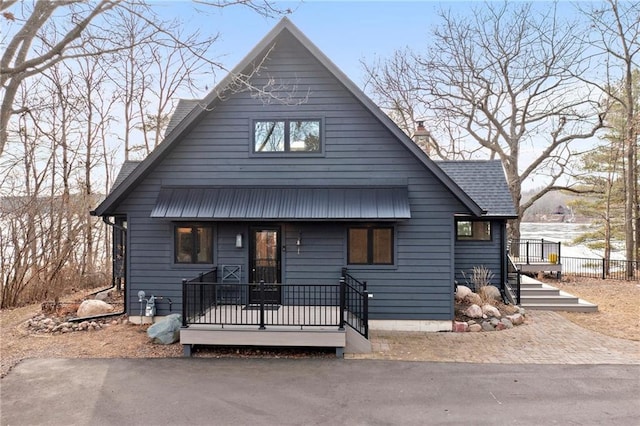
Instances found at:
x=264 y=259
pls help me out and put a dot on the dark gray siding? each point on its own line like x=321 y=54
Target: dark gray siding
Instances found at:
x=358 y=150
x=479 y=253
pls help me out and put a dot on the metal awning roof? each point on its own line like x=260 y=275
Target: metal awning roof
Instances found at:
x=301 y=204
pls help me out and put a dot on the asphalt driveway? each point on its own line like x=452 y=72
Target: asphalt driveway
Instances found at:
x=210 y=391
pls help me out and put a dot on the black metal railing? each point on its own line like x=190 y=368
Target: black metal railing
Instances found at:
x=601 y=268
x=248 y=304
x=513 y=281
x=212 y=303
x=356 y=303
x=535 y=251
x=199 y=295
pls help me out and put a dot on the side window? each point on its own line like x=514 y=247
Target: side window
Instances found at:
x=286 y=136
x=193 y=244
x=478 y=230
x=372 y=245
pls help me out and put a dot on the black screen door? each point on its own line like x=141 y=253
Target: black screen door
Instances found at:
x=265 y=264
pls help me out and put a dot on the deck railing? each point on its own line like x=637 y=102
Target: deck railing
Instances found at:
x=301 y=305
x=513 y=281
x=356 y=302
x=535 y=251
x=601 y=268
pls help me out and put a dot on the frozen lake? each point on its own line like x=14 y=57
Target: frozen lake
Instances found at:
x=565 y=233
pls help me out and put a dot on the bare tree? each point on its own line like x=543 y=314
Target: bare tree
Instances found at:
x=18 y=62
x=500 y=78
x=614 y=35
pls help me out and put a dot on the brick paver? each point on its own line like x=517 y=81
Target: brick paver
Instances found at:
x=546 y=338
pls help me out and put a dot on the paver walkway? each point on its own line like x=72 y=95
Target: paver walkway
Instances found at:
x=546 y=338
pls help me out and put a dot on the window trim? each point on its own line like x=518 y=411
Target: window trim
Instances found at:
x=194 y=227
x=289 y=152
x=370 y=252
x=472 y=237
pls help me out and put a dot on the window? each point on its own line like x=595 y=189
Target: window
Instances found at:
x=286 y=136
x=473 y=230
x=370 y=246
x=194 y=244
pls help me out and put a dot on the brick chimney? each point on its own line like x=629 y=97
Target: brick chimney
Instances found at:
x=421 y=137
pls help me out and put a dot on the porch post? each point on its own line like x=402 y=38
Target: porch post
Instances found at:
x=262 y=327
x=343 y=290
x=365 y=313
x=184 y=303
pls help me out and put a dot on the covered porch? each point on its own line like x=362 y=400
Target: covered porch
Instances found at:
x=275 y=314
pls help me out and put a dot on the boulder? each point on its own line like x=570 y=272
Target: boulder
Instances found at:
x=473 y=298
x=462 y=291
x=486 y=326
x=460 y=326
x=167 y=330
x=489 y=292
x=93 y=307
x=475 y=327
x=507 y=324
x=473 y=311
x=491 y=311
x=516 y=319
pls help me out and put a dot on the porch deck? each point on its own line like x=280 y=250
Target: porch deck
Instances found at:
x=320 y=315
x=315 y=326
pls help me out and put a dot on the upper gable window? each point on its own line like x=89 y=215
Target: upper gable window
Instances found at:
x=286 y=136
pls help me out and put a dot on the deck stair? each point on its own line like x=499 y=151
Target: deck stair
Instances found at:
x=540 y=296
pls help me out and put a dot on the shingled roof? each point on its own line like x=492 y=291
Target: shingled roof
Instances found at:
x=183 y=108
x=485 y=182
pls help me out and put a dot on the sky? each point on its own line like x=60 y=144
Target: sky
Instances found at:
x=348 y=32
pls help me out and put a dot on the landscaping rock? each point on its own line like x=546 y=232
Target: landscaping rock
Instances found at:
x=475 y=327
x=474 y=299
x=92 y=307
x=494 y=322
x=507 y=323
x=516 y=319
x=167 y=330
x=491 y=311
x=462 y=291
x=486 y=326
x=473 y=311
x=489 y=292
x=460 y=326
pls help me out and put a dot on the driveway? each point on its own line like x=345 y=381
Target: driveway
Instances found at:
x=546 y=338
x=211 y=391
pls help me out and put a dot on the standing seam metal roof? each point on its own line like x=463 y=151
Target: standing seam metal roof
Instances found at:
x=302 y=203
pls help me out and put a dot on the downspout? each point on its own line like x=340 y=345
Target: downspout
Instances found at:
x=105 y=219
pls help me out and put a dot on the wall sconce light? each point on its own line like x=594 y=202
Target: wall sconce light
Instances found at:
x=239 y=241
x=299 y=241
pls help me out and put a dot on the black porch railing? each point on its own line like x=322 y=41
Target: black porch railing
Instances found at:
x=535 y=251
x=356 y=302
x=513 y=281
x=302 y=305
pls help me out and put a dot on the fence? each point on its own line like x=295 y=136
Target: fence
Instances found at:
x=601 y=268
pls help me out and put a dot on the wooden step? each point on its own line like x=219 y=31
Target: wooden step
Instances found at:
x=573 y=307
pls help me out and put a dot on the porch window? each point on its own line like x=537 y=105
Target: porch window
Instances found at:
x=370 y=245
x=479 y=230
x=193 y=244
x=272 y=136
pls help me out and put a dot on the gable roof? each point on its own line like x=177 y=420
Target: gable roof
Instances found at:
x=285 y=26
x=127 y=168
x=183 y=108
x=485 y=182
